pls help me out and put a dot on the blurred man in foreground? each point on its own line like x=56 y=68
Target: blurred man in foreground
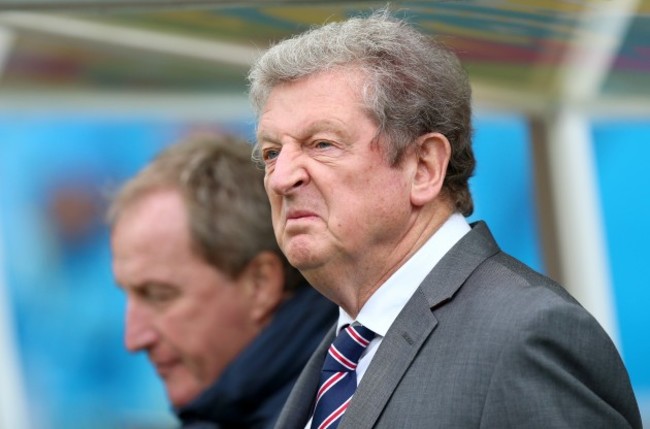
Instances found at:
x=365 y=133
x=224 y=319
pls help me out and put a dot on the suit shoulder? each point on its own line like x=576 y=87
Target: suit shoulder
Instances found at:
x=505 y=275
x=508 y=297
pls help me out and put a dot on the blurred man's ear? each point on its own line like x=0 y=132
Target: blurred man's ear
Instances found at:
x=266 y=279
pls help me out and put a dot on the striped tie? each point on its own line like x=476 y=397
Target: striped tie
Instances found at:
x=338 y=379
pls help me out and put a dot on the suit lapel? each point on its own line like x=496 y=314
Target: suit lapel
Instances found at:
x=414 y=325
x=395 y=354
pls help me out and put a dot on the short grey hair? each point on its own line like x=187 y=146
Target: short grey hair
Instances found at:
x=414 y=85
x=228 y=210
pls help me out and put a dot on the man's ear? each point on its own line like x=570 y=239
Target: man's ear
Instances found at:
x=433 y=152
x=265 y=275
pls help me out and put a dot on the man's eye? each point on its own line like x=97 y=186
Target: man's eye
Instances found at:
x=321 y=144
x=270 y=154
x=157 y=295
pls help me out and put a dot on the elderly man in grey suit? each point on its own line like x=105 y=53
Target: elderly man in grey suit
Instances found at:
x=365 y=136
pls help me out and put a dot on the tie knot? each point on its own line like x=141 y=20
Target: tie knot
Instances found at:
x=345 y=351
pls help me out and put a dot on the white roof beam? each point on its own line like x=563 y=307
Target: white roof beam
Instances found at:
x=127 y=37
x=598 y=37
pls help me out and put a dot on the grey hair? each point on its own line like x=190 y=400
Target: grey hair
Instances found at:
x=413 y=85
x=228 y=210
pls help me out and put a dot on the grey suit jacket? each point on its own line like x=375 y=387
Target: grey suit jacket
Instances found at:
x=485 y=342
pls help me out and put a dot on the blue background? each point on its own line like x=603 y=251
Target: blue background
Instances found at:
x=622 y=151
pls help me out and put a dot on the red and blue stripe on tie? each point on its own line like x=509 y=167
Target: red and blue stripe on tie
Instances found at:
x=338 y=377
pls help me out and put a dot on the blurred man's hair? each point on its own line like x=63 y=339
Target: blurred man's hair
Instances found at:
x=228 y=209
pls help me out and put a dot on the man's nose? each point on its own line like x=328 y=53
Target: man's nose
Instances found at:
x=289 y=171
x=139 y=333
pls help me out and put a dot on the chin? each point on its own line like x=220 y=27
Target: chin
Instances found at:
x=301 y=254
x=306 y=266
x=180 y=396
x=301 y=261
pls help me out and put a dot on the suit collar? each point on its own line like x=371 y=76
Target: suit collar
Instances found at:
x=456 y=266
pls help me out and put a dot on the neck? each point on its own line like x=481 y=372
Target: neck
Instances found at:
x=351 y=283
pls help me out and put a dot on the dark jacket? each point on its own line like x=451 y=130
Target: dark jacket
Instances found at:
x=252 y=390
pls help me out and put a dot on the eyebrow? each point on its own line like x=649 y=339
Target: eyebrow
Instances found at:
x=146 y=284
x=329 y=126
x=265 y=137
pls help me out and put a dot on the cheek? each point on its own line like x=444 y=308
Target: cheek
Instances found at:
x=380 y=206
x=377 y=194
x=176 y=328
x=276 y=210
x=223 y=340
x=187 y=323
x=272 y=196
x=224 y=320
x=275 y=215
x=197 y=340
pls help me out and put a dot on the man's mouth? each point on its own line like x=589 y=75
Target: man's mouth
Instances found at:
x=300 y=214
x=164 y=368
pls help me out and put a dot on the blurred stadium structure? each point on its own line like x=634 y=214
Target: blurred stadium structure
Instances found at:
x=562 y=95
